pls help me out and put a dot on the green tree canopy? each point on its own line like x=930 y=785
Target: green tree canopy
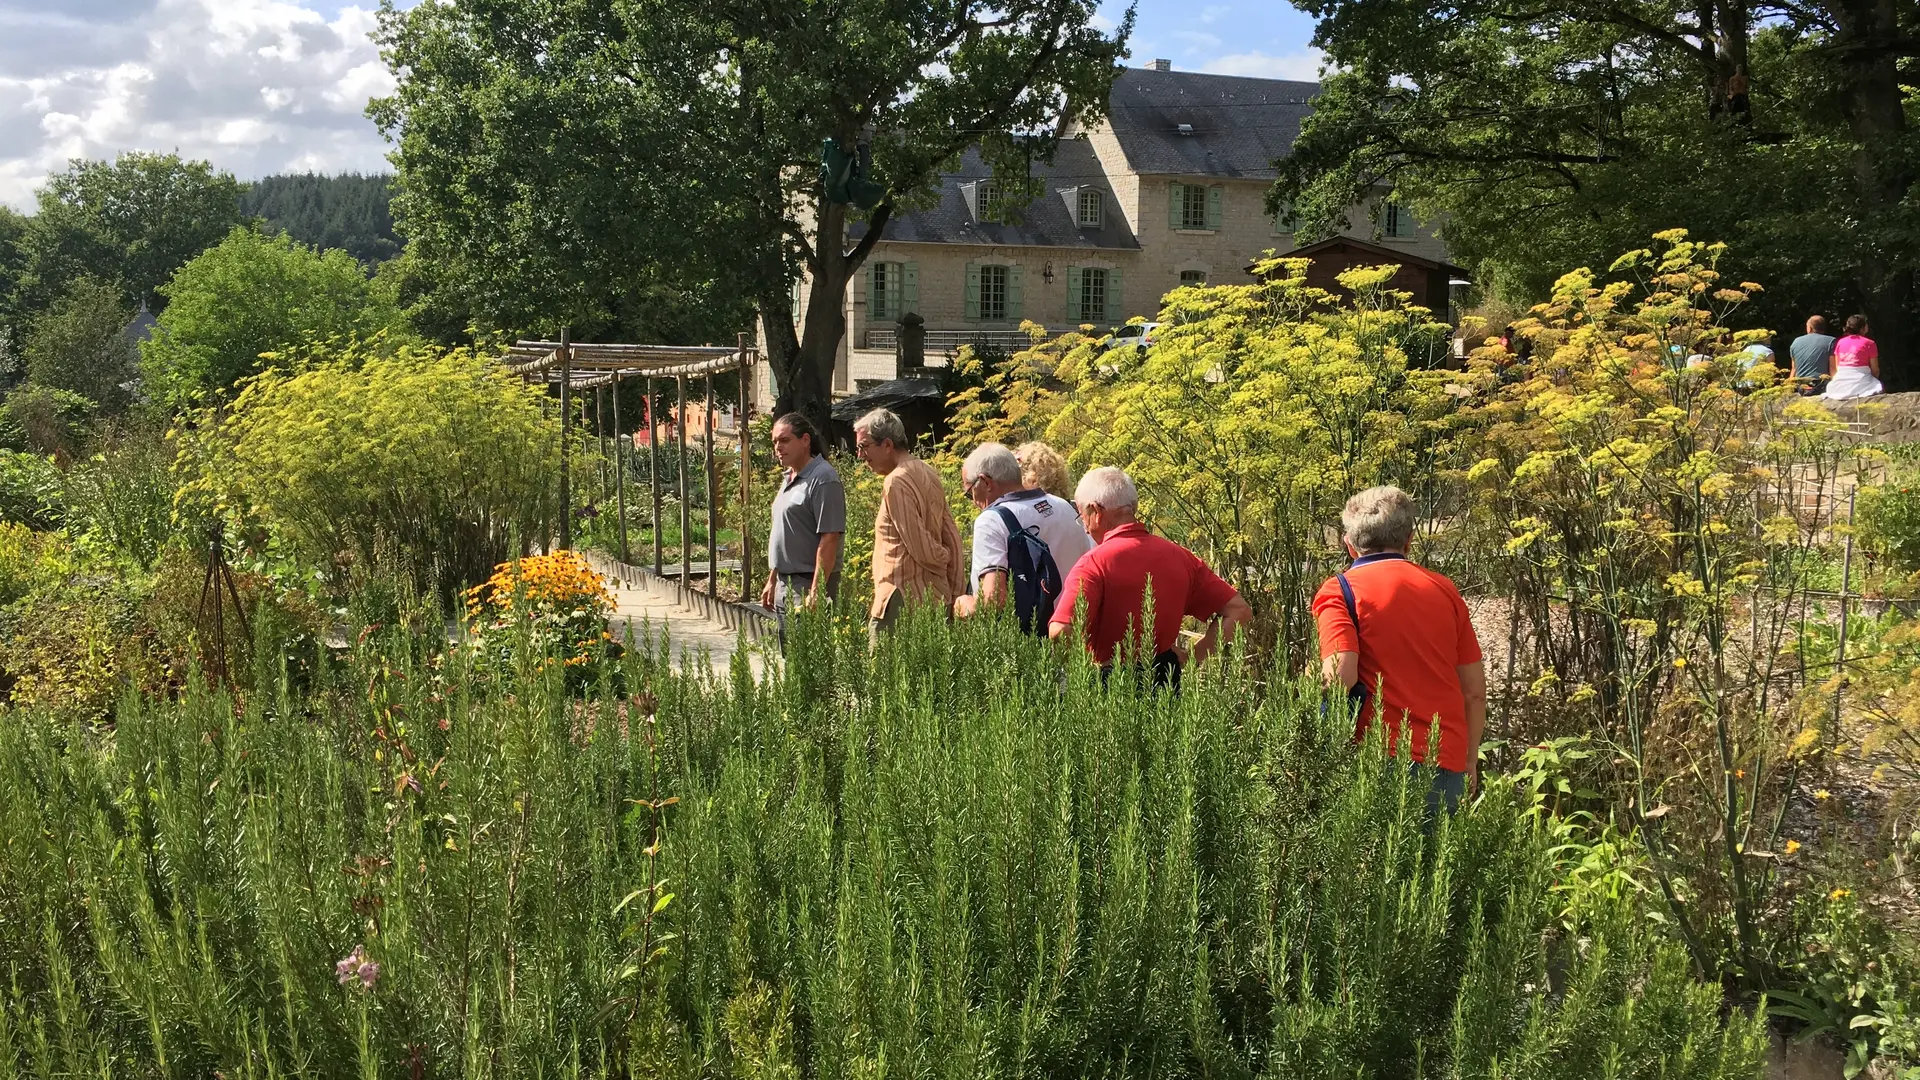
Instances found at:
x=132 y=221
x=80 y=344
x=545 y=149
x=13 y=267
x=252 y=294
x=1547 y=136
x=347 y=211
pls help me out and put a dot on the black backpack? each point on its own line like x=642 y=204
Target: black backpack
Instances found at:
x=1032 y=575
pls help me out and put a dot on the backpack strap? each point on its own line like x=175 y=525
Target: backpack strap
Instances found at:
x=1359 y=693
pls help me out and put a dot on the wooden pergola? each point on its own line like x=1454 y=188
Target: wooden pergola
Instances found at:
x=577 y=366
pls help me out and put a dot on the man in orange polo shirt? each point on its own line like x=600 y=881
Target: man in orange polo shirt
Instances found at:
x=1398 y=638
x=1113 y=579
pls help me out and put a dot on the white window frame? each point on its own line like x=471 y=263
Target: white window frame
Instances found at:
x=1005 y=275
x=1090 y=210
x=1199 y=278
x=877 y=293
x=1193 y=208
x=1093 y=283
x=992 y=209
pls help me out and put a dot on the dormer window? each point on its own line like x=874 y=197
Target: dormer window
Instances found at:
x=987 y=198
x=1089 y=208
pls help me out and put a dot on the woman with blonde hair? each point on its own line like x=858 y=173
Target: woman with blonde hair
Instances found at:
x=1041 y=466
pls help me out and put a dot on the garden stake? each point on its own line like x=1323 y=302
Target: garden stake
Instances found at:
x=214 y=589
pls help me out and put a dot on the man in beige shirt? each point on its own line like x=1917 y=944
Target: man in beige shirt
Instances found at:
x=916 y=545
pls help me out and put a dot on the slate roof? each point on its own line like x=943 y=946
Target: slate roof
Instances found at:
x=1384 y=254
x=142 y=325
x=1045 y=222
x=1239 y=125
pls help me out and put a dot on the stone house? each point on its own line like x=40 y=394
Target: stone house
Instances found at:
x=1169 y=190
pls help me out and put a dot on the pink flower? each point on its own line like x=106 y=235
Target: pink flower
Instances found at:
x=357 y=965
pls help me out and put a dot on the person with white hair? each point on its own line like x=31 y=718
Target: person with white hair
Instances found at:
x=1025 y=541
x=1112 y=580
x=1398 y=638
x=916 y=546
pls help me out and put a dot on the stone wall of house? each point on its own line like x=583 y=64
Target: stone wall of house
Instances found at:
x=942 y=273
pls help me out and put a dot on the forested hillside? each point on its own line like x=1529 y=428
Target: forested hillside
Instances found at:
x=348 y=211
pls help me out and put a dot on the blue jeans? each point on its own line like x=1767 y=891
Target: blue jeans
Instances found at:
x=1445 y=784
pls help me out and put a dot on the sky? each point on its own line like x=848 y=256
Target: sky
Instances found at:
x=269 y=86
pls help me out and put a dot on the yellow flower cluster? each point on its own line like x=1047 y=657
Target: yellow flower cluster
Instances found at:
x=561 y=581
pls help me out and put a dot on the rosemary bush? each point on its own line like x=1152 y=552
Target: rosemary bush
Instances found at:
x=947 y=858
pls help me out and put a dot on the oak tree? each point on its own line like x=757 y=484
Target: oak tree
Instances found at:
x=547 y=149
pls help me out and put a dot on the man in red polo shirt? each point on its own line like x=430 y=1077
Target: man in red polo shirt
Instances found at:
x=1399 y=640
x=1113 y=579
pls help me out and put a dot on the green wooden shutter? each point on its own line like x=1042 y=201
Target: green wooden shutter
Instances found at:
x=1116 y=310
x=1216 y=200
x=876 y=302
x=1014 y=274
x=973 y=292
x=909 y=287
x=1175 y=208
x=1073 y=296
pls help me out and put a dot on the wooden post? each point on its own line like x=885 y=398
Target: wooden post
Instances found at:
x=680 y=471
x=566 y=409
x=713 y=501
x=600 y=439
x=619 y=471
x=653 y=467
x=747 y=570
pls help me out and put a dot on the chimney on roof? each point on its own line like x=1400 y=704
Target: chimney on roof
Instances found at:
x=1161 y=65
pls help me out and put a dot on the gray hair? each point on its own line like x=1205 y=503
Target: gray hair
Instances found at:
x=1379 y=519
x=1107 y=487
x=995 y=462
x=881 y=425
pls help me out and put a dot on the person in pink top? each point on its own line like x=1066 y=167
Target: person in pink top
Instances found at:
x=1856 y=362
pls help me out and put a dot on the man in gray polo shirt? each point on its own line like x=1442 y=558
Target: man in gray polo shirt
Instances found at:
x=809 y=522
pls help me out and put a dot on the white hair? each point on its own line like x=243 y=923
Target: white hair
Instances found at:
x=1106 y=487
x=881 y=425
x=995 y=462
x=1379 y=519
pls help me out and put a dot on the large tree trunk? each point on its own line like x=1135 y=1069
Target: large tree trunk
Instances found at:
x=803 y=367
x=1869 y=33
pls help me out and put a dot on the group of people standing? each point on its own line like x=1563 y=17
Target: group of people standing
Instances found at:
x=1841 y=367
x=1396 y=636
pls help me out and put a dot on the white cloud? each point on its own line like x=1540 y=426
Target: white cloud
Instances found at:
x=1193 y=41
x=254 y=86
x=1302 y=65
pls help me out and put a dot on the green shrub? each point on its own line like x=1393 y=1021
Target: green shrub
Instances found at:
x=48 y=421
x=943 y=859
x=432 y=463
x=70 y=626
x=1887 y=521
x=121 y=499
x=31 y=492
